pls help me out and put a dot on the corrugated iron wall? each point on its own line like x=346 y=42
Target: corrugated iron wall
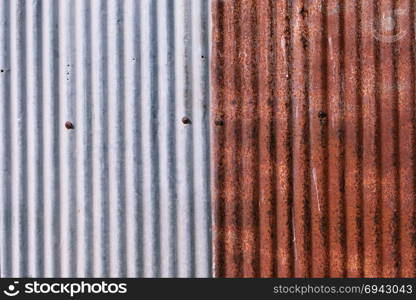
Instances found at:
x=125 y=192
x=314 y=138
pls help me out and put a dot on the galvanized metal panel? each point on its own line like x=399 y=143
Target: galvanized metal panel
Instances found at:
x=126 y=191
x=314 y=138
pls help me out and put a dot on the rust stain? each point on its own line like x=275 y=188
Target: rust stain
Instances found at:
x=314 y=138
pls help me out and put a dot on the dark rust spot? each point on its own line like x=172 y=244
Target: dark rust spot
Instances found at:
x=186 y=120
x=322 y=115
x=219 y=122
x=304 y=12
x=69 y=125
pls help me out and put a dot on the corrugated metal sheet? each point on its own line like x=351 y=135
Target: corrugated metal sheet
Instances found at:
x=126 y=191
x=314 y=138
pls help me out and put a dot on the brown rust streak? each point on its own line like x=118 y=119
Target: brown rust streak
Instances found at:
x=218 y=136
x=300 y=146
x=266 y=99
x=336 y=151
x=371 y=172
x=249 y=138
x=388 y=134
x=284 y=189
x=233 y=256
x=353 y=138
x=318 y=118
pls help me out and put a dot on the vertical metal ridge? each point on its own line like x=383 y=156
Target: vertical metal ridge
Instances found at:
x=200 y=13
x=389 y=156
x=115 y=69
x=249 y=140
x=150 y=151
x=166 y=137
x=105 y=169
x=315 y=16
x=18 y=210
x=100 y=149
x=313 y=164
x=184 y=155
x=371 y=172
x=266 y=96
x=232 y=110
x=353 y=137
x=133 y=164
x=335 y=97
x=83 y=139
x=50 y=88
x=300 y=147
x=34 y=138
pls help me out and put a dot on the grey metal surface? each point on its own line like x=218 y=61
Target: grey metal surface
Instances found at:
x=126 y=191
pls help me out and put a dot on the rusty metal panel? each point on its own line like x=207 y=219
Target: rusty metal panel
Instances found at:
x=104 y=127
x=314 y=138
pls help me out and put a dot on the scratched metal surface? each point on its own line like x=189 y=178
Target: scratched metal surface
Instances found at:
x=314 y=138
x=125 y=192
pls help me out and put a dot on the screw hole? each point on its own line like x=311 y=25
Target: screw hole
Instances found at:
x=219 y=122
x=69 y=125
x=186 y=120
x=322 y=115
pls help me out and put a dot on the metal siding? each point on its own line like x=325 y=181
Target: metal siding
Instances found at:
x=314 y=138
x=126 y=192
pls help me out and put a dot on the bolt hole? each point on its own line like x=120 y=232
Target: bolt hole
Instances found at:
x=69 y=125
x=322 y=115
x=1 y=70
x=186 y=120
x=219 y=122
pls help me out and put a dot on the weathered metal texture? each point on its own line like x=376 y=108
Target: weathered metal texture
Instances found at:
x=314 y=138
x=124 y=189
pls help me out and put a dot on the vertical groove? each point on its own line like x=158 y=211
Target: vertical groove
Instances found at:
x=218 y=136
x=353 y=137
x=284 y=182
